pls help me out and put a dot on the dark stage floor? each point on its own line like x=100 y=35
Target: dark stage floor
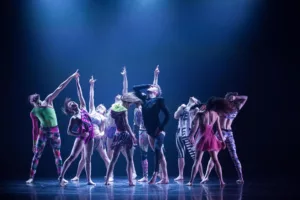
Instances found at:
x=44 y=189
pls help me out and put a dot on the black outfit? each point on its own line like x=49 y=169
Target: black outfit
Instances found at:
x=150 y=111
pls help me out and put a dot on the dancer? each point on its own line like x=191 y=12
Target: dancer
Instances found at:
x=184 y=114
x=111 y=128
x=98 y=121
x=140 y=130
x=152 y=104
x=84 y=133
x=237 y=102
x=124 y=137
x=209 y=142
x=43 y=112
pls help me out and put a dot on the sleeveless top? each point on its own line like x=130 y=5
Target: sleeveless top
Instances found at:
x=46 y=116
x=118 y=113
x=97 y=121
x=184 y=123
x=86 y=125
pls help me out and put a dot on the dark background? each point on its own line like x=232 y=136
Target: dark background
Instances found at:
x=204 y=48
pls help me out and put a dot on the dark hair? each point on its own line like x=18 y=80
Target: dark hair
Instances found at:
x=33 y=98
x=228 y=94
x=65 y=108
x=219 y=105
x=197 y=105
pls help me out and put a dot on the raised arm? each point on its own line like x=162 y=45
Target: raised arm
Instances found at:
x=125 y=81
x=138 y=90
x=242 y=100
x=80 y=95
x=35 y=129
x=92 y=101
x=62 y=86
x=166 y=112
x=179 y=111
x=72 y=124
x=156 y=72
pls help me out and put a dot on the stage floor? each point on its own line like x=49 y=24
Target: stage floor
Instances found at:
x=44 y=189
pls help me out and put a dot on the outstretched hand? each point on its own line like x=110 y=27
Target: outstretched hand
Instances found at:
x=92 y=80
x=156 y=71
x=76 y=74
x=124 y=71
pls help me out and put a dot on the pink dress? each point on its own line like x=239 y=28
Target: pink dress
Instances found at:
x=208 y=141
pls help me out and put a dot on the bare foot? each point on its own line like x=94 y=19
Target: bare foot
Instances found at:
x=222 y=183
x=240 y=181
x=111 y=179
x=179 y=178
x=204 y=180
x=131 y=184
x=75 y=178
x=134 y=176
x=91 y=183
x=163 y=181
x=29 y=181
x=144 y=179
x=63 y=182
x=189 y=184
x=153 y=179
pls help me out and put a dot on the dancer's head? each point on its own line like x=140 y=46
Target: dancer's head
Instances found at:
x=154 y=91
x=230 y=96
x=193 y=101
x=101 y=109
x=34 y=99
x=130 y=98
x=219 y=105
x=70 y=107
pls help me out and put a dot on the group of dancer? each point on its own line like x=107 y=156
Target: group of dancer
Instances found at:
x=109 y=132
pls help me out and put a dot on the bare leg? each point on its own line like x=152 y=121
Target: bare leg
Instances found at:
x=195 y=168
x=165 y=177
x=77 y=148
x=133 y=168
x=214 y=156
x=181 y=164
x=109 y=150
x=80 y=167
x=210 y=166
x=112 y=164
x=129 y=159
x=104 y=156
x=88 y=151
x=144 y=144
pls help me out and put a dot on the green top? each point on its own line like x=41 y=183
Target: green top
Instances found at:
x=117 y=107
x=46 y=115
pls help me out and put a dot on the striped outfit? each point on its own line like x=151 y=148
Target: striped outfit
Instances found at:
x=182 y=135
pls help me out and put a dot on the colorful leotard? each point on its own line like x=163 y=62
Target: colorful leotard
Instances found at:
x=86 y=125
